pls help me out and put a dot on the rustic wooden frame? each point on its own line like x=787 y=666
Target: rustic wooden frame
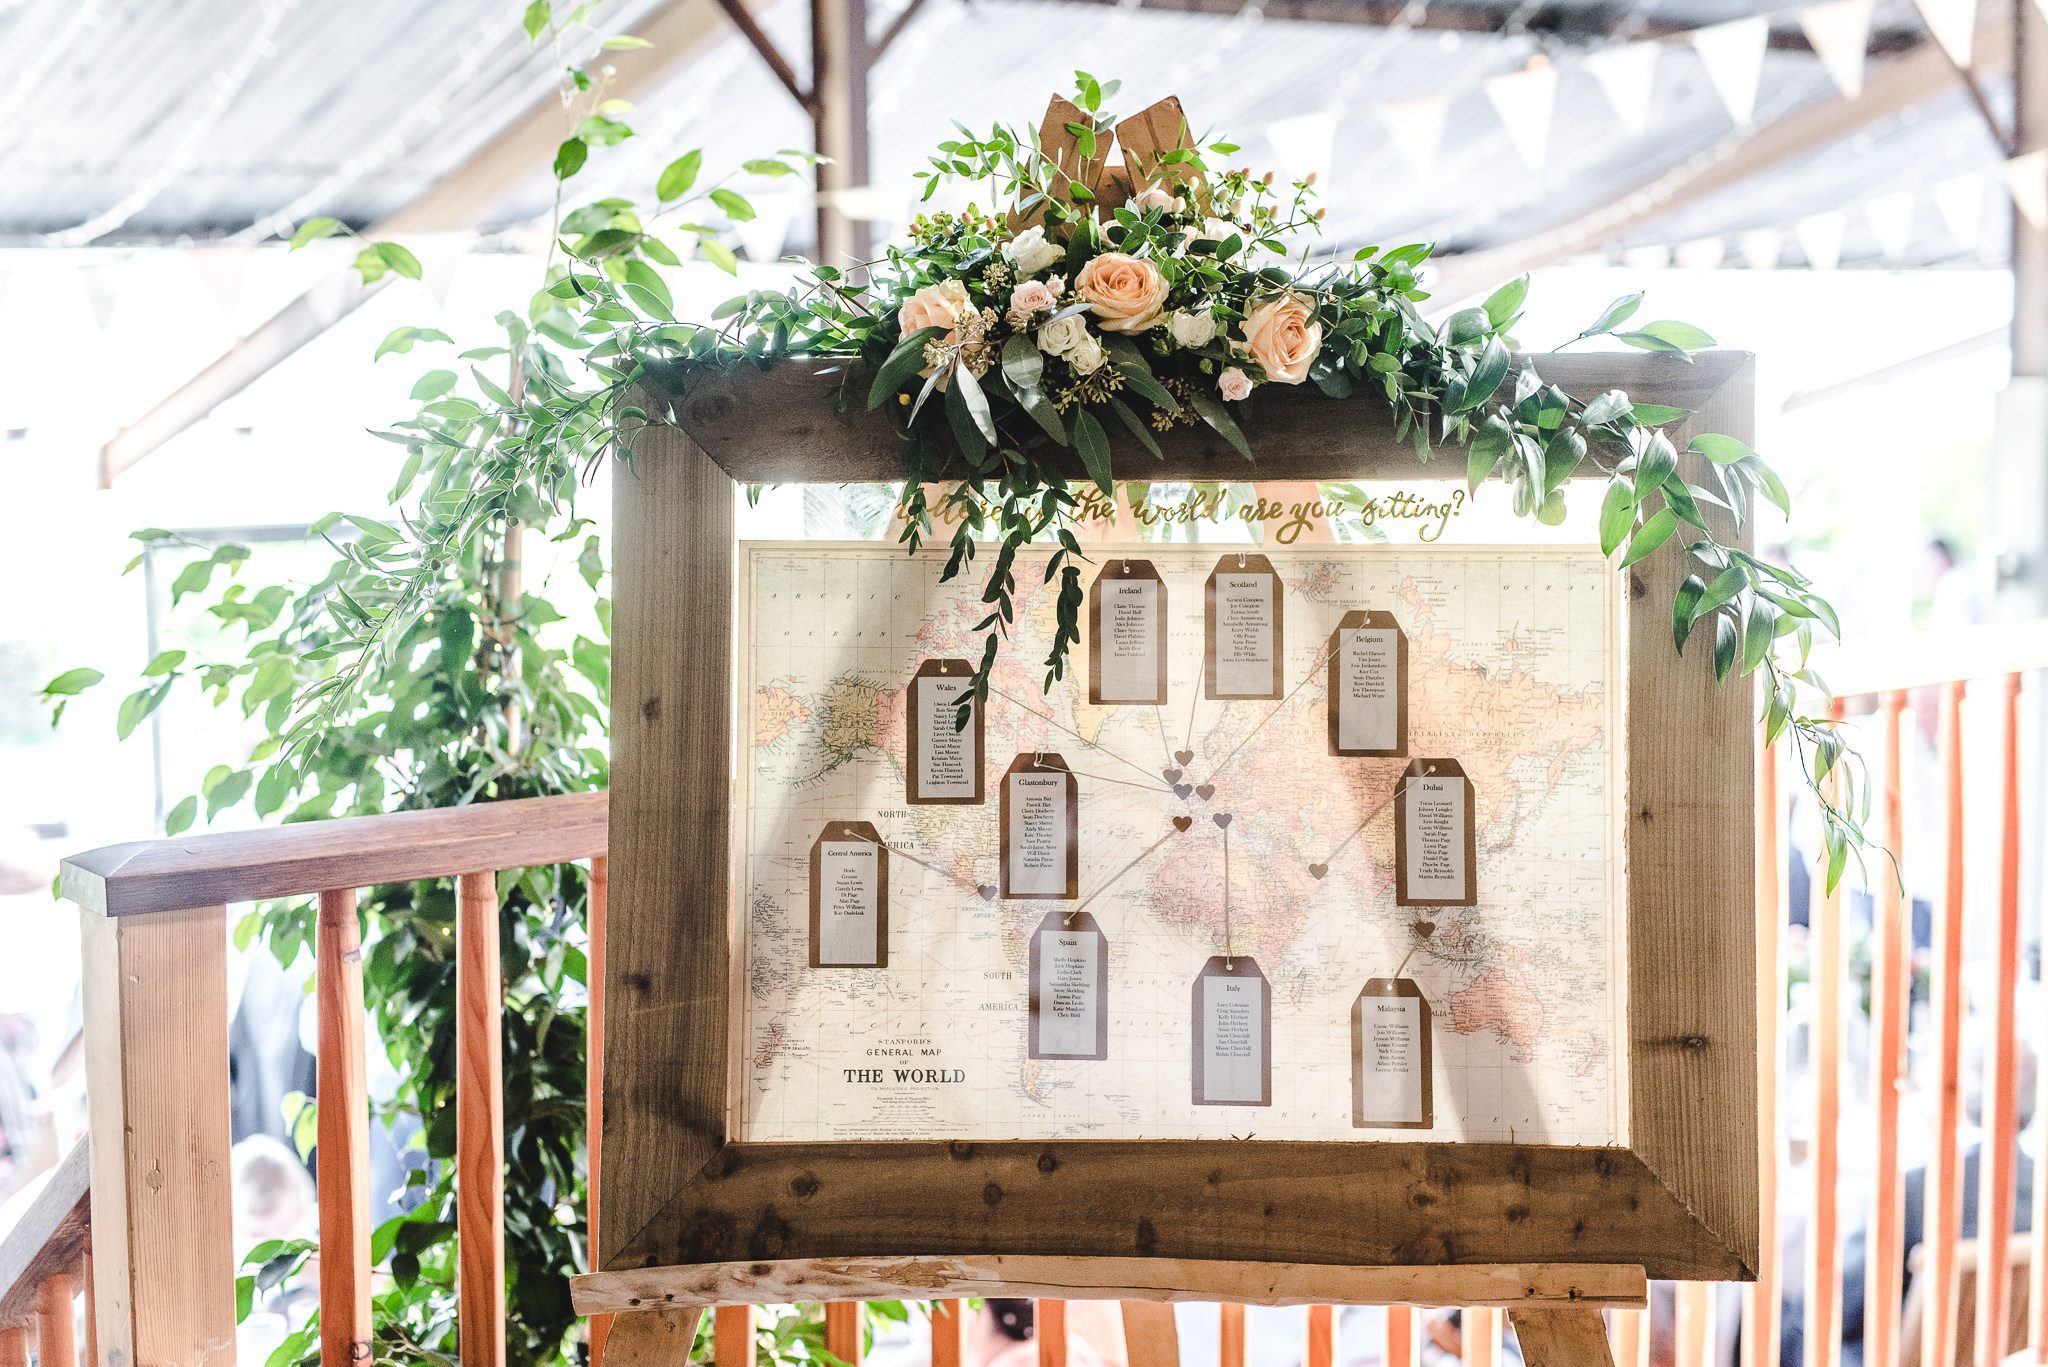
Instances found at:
x=693 y=1218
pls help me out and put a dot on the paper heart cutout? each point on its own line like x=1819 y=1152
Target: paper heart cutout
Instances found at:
x=1423 y=929
x=1206 y=791
x=1181 y=790
x=1181 y=823
x=1317 y=871
x=1183 y=757
x=1222 y=820
x=987 y=892
x=1171 y=775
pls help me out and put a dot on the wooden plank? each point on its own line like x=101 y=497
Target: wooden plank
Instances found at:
x=1761 y=1306
x=654 y=1338
x=1322 y=1337
x=1890 y=978
x=732 y=1336
x=56 y=1326
x=1230 y=1335
x=156 y=1061
x=355 y=851
x=668 y=960
x=92 y=1347
x=1480 y=1336
x=2001 y=1089
x=1823 y=1308
x=479 y=1123
x=1050 y=1332
x=1946 y=1004
x=777 y=425
x=49 y=1236
x=593 y=1090
x=1562 y=1338
x=843 y=1337
x=1236 y=1282
x=1151 y=1337
x=343 y=1162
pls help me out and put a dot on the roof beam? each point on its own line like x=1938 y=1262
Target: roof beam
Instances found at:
x=1920 y=75
x=457 y=200
x=1593 y=27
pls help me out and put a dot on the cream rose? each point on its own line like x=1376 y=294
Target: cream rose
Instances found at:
x=1029 y=252
x=1087 y=356
x=1233 y=384
x=1128 y=294
x=1157 y=197
x=943 y=305
x=1192 y=329
x=1062 y=335
x=1283 y=336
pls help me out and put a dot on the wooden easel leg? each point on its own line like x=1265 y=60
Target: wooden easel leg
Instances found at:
x=654 y=1338
x=1562 y=1338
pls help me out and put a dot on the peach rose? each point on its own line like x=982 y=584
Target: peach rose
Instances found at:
x=1283 y=336
x=944 y=305
x=1233 y=384
x=1127 y=294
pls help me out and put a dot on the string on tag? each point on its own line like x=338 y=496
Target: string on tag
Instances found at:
x=1229 y=952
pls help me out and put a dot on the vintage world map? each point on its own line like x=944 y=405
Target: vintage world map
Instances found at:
x=1514 y=662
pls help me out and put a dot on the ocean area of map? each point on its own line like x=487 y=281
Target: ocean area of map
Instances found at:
x=1513 y=660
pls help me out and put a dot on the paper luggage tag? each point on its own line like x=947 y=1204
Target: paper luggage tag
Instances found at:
x=943 y=763
x=1436 y=862
x=1069 y=987
x=1391 y=1057
x=1233 y=1043
x=1241 y=629
x=849 y=897
x=1041 y=827
x=1127 y=634
x=1368 y=696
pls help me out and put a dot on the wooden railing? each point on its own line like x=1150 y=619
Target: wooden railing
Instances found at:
x=158 y=1237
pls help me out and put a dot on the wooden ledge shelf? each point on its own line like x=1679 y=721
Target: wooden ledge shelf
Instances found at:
x=1502 y=1285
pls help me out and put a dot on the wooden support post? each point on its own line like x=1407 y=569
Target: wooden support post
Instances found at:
x=1693 y=1328
x=1403 y=1342
x=56 y=1334
x=1322 y=1337
x=1629 y=1336
x=1051 y=1333
x=92 y=1323
x=1944 y=1218
x=839 y=111
x=1888 y=1011
x=652 y=1338
x=1230 y=1335
x=1823 y=1324
x=949 y=1332
x=14 y=1346
x=1561 y=1338
x=1151 y=1337
x=842 y=1331
x=593 y=1084
x=479 y=1124
x=1480 y=1335
x=2001 y=1087
x=343 y=1162
x=156 y=1059
x=1761 y=1309
x=732 y=1336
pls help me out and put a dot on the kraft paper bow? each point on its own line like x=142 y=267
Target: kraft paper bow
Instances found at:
x=1144 y=138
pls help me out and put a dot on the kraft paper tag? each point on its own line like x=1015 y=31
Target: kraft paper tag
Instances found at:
x=1069 y=987
x=1127 y=634
x=1368 y=695
x=1242 y=629
x=943 y=763
x=1233 y=1037
x=1041 y=827
x=1436 y=861
x=849 y=897
x=1391 y=1057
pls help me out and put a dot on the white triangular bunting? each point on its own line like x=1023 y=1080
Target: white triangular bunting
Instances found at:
x=1627 y=73
x=1733 y=54
x=2026 y=179
x=1839 y=31
x=1416 y=128
x=1960 y=202
x=1891 y=222
x=1820 y=237
x=1305 y=143
x=1700 y=254
x=762 y=236
x=1953 y=24
x=1525 y=100
x=219 y=268
x=1761 y=248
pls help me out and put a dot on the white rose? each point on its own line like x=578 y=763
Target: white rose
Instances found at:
x=1029 y=252
x=1157 y=197
x=1062 y=335
x=1193 y=329
x=1087 y=356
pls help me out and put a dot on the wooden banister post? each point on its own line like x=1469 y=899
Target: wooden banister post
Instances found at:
x=156 y=1058
x=344 y=1136
x=593 y=1090
x=479 y=1124
x=56 y=1334
x=14 y=1346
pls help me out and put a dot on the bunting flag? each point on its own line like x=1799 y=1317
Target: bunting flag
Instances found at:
x=1627 y=73
x=1953 y=24
x=1733 y=54
x=1304 y=144
x=1839 y=31
x=220 y=268
x=2026 y=179
x=1700 y=254
x=1820 y=237
x=1960 y=202
x=1416 y=128
x=1525 y=100
x=1761 y=248
x=762 y=236
x=1891 y=222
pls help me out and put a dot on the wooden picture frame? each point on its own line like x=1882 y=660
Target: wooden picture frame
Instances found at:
x=692 y=1218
